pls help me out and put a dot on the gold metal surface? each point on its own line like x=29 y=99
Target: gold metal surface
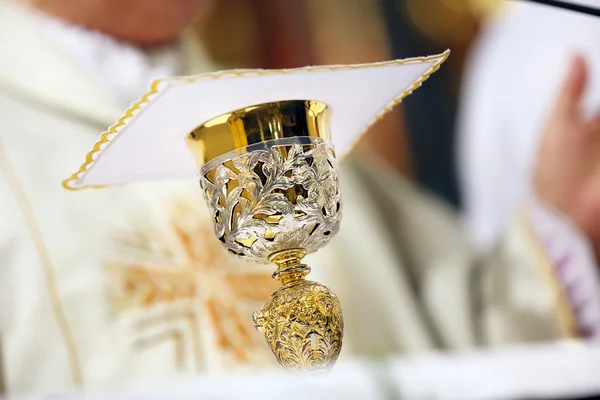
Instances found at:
x=276 y=202
x=257 y=124
x=302 y=321
x=279 y=196
x=287 y=258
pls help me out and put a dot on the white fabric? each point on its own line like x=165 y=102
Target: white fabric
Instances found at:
x=151 y=145
x=56 y=247
x=122 y=67
x=563 y=370
x=510 y=84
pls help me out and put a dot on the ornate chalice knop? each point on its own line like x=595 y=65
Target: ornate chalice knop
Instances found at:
x=270 y=179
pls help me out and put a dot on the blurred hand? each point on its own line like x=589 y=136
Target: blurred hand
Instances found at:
x=567 y=173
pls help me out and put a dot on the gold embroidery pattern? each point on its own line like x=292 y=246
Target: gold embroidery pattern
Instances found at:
x=160 y=85
x=184 y=284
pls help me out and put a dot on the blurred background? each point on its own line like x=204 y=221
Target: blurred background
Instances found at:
x=418 y=138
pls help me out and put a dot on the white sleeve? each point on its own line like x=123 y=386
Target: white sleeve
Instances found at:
x=485 y=147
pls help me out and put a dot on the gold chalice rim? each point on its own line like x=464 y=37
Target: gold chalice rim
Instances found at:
x=236 y=130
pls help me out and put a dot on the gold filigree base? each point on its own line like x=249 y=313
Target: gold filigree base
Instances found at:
x=302 y=321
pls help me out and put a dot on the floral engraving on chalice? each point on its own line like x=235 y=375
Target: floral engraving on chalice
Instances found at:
x=266 y=200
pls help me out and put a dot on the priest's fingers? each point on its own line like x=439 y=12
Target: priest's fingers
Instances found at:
x=589 y=212
x=572 y=89
x=592 y=128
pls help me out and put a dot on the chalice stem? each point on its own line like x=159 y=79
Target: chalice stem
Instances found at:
x=289 y=266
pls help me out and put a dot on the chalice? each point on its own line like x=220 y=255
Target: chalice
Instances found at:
x=266 y=145
x=270 y=178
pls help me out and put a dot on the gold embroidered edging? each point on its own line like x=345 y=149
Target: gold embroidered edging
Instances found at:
x=562 y=306
x=155 y=87
x=44 y=258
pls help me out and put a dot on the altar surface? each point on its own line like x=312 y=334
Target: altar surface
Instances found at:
x=560 y=371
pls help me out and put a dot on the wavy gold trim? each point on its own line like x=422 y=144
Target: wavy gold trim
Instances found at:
x=162 y=84
x=46 y=262
x=563 y=310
